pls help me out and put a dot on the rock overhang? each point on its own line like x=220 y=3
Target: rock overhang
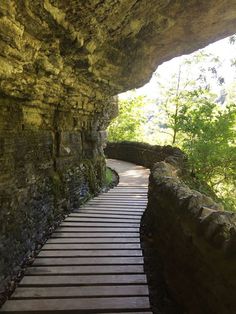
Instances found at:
x=73 y=52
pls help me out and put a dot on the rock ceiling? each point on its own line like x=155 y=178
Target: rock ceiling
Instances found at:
x=56 y=51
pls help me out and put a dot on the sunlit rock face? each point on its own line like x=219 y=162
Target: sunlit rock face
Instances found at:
x=61 y=63
x=72 y=51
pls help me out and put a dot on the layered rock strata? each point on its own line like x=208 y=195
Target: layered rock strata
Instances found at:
x=67 y=51
x=51 y=160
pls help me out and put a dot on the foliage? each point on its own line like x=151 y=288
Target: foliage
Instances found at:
x=209 y=134
x=128 y=125
x=109 y=177
x=202 y=124
x=192 y=74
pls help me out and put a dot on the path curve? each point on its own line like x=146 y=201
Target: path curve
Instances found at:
x=93 y=262
x=129 y=174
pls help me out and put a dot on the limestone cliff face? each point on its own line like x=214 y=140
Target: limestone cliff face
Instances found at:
x=71 y=52
x=61 y=63
x=50 y=161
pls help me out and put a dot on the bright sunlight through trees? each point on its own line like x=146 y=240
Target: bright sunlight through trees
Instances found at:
x=190 y=103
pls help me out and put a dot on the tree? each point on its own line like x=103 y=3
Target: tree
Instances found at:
x=209 y=134
x=128 y=125
x=201 y=123
x=198 y=71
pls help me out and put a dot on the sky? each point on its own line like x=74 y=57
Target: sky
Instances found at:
x=221 y=48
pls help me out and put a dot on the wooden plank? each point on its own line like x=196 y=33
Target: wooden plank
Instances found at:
x=87 y=261
x=84 y=269
x=96 y=214
x=78 y=223
x=92 y=240
x=96 y=229
x=126 y=197
x=121 y=210
x=89 y=253
x=126 y=186
x=106 y=213
x=122 y=189
x=107 y=235
x=126 y=209
x=83 y=291
x=131 y=207
x=133 y=186
x=100 y=219
x=115 y=205
x=91 y=246
x=126 y=192
x=113 y=211
x=133 y=193
x=99 y=224
x=79 y=280
x=123 y=197
x=79 y=305
x=121 y=184
x=126 y=189
x=117 y=202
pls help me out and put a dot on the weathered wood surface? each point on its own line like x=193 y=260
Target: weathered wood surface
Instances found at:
x=83 y=291
x=95 y=235
x=82 y=280
x=80 y=229
x=77 y=304
x=87 y=253
x=67 y=261
x=91 y=246
x=92 y=240
x=92 y=263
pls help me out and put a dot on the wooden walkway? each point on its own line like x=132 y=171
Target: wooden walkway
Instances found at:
x=93 y=262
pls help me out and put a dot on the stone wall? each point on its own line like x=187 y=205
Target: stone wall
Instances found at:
x=51 y=160
x=142 y=153
x=194 y=237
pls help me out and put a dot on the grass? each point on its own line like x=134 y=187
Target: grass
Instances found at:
x=109 y=177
